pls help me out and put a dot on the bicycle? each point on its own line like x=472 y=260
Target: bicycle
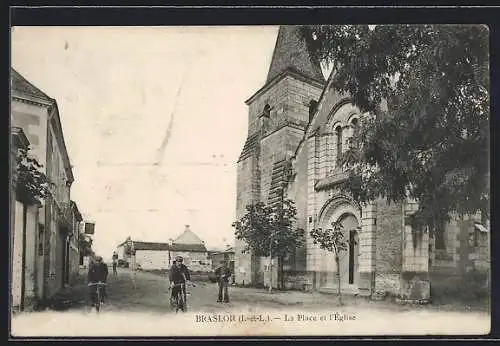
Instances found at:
x=98 y=294
x=181 y=297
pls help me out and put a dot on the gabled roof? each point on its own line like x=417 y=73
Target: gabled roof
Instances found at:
x=76 y=211
x=291 y=52
x=21 y=84
x=188 y=237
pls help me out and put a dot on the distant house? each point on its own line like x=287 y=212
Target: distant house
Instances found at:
x=192 y=249
x=222 y=255
x=158 y=256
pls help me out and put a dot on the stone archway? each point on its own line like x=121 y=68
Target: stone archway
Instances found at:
x=341 y=209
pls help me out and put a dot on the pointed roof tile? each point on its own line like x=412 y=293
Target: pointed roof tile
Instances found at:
x=291 y=53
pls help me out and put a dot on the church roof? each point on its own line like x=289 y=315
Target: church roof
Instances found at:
x=291 y=53
x=21 y=84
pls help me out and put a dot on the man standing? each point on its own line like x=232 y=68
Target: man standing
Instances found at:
x=98 y=272
x=223 y=273
x=115 y=263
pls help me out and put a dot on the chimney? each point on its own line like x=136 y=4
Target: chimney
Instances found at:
x=186 y=228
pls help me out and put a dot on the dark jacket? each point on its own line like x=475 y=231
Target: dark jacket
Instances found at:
x=223 y=274
x=98 y=272
x=179 y=274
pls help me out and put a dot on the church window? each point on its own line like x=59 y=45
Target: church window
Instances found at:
x=355 y=126
x=338 y=135
x=267 y=111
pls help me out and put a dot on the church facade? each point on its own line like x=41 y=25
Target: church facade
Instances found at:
x=297 y=123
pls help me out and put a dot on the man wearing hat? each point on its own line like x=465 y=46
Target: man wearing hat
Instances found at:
x=223 y=273
x=179 y=274
x=98 y=272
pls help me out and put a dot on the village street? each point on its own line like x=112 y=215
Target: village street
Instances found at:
x=138 y=306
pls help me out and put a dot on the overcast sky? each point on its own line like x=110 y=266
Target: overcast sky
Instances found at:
x=129 y=97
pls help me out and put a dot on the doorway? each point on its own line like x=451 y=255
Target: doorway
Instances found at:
x=350 y=260
x=65 y=256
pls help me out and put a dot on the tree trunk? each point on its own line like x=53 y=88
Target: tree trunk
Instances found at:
x=281 y=276
x=339 y=291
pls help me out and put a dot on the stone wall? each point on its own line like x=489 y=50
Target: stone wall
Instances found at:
x=389 y=220
x=280 y=135
x=74 y=263
x=33 y=120
x=245 y=191
x=414 y=279
x=30 y=264
x=17 y=255
x=151 y=259
x=196 y=261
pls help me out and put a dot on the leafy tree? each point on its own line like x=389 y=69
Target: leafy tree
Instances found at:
x=426 y=90
x=269 y=231
x=32 y=185
x=332 y=240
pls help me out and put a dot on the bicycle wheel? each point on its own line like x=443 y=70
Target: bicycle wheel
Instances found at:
x=180 y=300
x=184 y=303
x=98 y=301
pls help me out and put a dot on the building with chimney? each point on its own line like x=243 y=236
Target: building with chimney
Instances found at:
x=298 y=129
x=159 y=256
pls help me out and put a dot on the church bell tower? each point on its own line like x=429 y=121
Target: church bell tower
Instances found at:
x=278 y=117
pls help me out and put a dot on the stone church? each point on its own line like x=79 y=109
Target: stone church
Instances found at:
x=298 y=124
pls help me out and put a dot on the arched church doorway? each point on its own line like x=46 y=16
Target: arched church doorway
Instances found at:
x=348 y=216
x=350 y=264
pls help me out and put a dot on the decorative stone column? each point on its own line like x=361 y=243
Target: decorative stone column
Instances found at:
x=367 y=248
x=414 y=279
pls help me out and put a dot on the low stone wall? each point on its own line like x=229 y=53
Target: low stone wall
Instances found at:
x=387 y=284
x=195 y=275
x=299 y=280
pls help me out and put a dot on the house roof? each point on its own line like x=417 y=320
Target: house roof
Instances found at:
x=76 y=211
x=291 y=52
x=188 y=237
x=21 y=84
x=142 y=245
x=188 y=247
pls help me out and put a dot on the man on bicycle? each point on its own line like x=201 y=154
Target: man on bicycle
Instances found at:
x=179 y=274
x=98 y=272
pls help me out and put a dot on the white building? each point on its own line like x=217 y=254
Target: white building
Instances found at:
x=49 y=245
x=159 y=256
